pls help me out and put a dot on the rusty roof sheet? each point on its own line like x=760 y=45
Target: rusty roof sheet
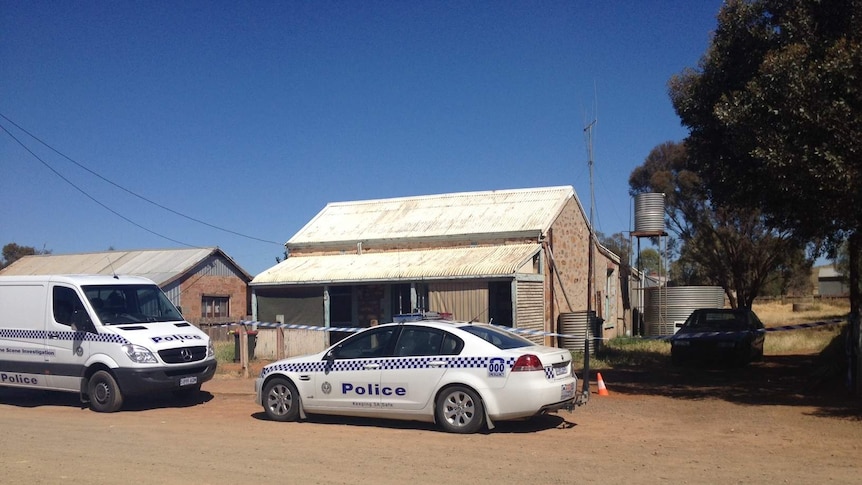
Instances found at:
x=429 y=264
x=436 y=216
x=160 y=265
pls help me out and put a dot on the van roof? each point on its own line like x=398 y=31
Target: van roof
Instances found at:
x=78 y=279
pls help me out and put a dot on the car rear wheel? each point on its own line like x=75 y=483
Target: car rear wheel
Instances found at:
x=281 y=400
x=459 y=410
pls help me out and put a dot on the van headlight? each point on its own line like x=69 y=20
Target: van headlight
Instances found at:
x=210 y=349
x=139 y=354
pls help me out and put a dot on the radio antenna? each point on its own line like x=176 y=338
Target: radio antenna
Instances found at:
x=111 y=264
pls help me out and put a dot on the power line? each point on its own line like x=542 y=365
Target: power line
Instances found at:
x=128 y=191
x=79 y=189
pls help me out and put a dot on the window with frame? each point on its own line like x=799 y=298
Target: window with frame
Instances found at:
x=215 y=306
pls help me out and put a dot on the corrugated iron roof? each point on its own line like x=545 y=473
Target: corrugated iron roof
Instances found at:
x=160 y=265
x=486 y=261
x=436 y=216
x=828 y=271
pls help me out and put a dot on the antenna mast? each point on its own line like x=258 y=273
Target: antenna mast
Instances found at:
x=590 y=263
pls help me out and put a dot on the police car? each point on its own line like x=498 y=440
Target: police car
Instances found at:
x=461 y=376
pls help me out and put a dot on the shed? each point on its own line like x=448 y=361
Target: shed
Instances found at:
x=831 y=283
x=205 y=282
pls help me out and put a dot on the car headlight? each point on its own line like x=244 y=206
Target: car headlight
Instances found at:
x=139 y=354
x=210 y=349
x=681 y=343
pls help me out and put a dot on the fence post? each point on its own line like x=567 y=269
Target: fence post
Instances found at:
x=279 y=343
x=243 y=350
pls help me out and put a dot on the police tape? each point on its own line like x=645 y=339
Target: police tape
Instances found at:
x=780 y=328
x=524 y=331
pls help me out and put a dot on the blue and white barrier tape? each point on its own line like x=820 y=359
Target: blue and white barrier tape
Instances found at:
x=523 y=331
x=782 y=328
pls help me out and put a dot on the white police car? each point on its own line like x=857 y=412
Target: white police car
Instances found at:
x=459 y=375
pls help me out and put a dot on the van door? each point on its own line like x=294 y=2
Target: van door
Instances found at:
x=22 y=345
x=66 y=339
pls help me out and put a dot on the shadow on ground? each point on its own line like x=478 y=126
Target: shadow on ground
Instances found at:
x=790 y=380
x=32 y=398
x=532 y=425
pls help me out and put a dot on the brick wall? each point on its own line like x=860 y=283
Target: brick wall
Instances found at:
x=197 y=286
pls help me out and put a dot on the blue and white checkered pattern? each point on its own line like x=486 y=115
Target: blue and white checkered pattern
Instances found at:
x=394 y=363
x=41 y=335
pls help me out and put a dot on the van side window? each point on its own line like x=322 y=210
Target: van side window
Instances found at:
x=66 y=303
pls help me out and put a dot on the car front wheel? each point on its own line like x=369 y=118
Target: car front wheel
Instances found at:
x=104 y=393
x=459 y=410
x=281 y=400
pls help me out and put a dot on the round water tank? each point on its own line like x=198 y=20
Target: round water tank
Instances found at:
x=665 y=307
x=649 y=213
x=578 y=326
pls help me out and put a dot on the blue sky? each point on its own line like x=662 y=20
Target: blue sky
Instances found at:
x=251 y=116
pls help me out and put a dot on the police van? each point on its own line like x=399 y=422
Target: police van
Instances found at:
x=104 y=337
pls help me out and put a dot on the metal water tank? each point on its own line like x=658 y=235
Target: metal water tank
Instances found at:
x=578 y=326
x=664 y=307
x=649 y=213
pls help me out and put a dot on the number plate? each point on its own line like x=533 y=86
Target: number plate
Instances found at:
x=567 y=391
x=188 y=381
x=558 y=371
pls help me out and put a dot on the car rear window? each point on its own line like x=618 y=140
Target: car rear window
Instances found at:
x=496 y=337
x=719 y=321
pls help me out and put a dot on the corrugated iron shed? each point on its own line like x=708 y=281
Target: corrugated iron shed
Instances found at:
x=466 y=214
x=470 y=262
x=162 y=266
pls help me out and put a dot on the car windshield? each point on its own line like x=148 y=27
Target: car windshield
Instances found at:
x=123 y=304
x=715 y=321
x=497 y=337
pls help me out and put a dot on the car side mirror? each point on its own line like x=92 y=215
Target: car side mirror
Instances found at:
x=81 y=322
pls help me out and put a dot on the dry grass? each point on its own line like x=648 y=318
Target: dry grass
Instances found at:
x=774 y=314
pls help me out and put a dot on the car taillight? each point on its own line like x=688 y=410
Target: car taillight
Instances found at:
x=527 y=363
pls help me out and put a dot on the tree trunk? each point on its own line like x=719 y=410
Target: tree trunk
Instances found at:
x=855 y=344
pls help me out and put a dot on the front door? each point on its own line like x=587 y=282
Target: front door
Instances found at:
x=66 y=339
x=351 y=373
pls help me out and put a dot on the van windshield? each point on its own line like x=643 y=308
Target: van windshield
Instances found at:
x=124 y=304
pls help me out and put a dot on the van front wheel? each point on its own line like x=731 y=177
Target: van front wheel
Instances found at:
x=104 y=393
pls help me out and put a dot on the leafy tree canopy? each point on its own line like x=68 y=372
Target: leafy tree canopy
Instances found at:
x=775 y=112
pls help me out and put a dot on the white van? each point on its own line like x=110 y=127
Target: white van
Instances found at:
x=104 y=337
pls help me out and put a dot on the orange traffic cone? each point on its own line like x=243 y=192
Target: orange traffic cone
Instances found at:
x=603 y=391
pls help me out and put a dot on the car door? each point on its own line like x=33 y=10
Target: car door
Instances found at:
x=758 y=333
x=66 y=342
x=410 y=378
x=350 y=380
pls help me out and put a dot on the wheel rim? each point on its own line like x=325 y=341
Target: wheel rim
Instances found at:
x=101 y=393
x=279 y=400
x=459 y=410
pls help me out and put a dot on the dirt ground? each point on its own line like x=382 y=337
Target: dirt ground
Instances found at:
x=767 y=423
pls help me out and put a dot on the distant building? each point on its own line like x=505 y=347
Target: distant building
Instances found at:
x=517 y=258
x=831 y=283
x=207 y=284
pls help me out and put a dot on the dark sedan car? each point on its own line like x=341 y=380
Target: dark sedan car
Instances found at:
x=719 y=335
